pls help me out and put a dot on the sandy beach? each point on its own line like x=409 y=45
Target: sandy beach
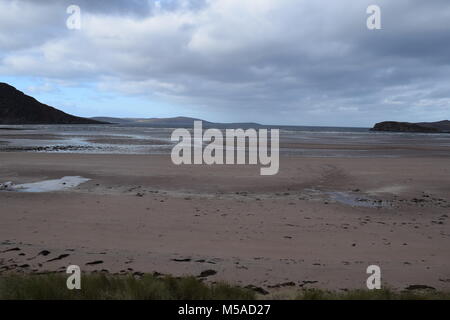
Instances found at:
x=318 y=223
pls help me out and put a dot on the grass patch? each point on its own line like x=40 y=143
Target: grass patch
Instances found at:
x=149 y=287
x=105 y=287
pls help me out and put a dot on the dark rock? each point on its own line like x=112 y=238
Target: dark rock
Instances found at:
x=285 y=284
x=94 y=262
x=61 y=256
x=44 y=253
x=305 y=282
x=207 y=273
x=12 y=249
x=419 y=287
x=182 y=260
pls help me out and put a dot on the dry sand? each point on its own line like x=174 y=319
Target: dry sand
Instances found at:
x=141 y=213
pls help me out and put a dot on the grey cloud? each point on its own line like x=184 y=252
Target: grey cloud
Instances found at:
x=284 y=61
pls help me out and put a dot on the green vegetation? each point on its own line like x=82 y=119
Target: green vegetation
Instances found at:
x=103 y=286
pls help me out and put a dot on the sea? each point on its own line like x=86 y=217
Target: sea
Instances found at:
x=294 y=140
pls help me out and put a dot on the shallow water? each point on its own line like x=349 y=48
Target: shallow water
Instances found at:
x=355 y=200
x=48 y=185
x=301 y=141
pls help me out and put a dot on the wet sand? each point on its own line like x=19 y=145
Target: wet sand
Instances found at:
x=318 y=223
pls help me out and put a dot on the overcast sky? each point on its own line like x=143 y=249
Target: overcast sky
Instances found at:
x=305 y=62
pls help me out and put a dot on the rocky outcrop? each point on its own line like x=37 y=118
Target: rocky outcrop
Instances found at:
x=19 y=108
x=395 y=126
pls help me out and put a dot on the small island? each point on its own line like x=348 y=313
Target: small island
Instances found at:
x=421 y=127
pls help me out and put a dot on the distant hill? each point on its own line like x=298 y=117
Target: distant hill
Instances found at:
x=160 y=122
x=19 y=108
x=113 y=120
x=423 y=127
x=175 y=122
